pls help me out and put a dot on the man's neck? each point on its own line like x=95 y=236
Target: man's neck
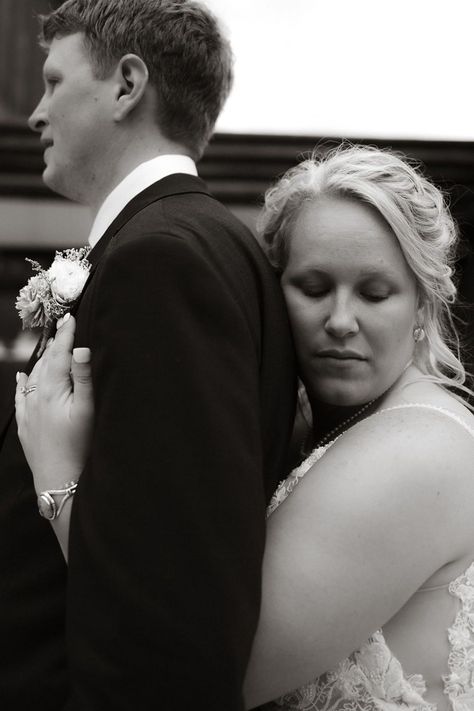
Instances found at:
x=125 y=158
x=139 y=179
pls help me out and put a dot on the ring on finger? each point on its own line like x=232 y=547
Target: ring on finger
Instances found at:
x=28 y=389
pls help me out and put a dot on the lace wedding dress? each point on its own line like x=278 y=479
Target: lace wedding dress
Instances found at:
x=372 y=678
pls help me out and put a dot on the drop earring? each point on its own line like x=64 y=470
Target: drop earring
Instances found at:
x=418 y=334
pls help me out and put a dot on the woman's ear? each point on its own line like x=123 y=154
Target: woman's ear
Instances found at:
x=132 y=76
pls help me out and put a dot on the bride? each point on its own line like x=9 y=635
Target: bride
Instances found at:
x=368 y=577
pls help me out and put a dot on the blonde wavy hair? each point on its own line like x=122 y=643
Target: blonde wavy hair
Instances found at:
x=419 y=216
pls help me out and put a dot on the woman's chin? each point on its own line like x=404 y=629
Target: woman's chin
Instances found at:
x=342 y=397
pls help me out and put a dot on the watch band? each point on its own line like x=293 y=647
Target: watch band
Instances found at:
x=48 y=506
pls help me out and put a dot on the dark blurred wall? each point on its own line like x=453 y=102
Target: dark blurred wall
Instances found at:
x=20 y=56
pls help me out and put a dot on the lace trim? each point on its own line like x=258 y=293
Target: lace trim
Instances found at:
x=286 y=486
x=371 y=679
x=459 y=683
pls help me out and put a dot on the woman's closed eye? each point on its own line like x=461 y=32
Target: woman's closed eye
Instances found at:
x=318 y=291
x=375 y=290
x=315 y=292
x=375 y=296
x=313 y=289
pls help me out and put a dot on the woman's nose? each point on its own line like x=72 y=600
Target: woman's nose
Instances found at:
x=341 y=320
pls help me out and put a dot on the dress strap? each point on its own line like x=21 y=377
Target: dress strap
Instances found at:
x=448 y=413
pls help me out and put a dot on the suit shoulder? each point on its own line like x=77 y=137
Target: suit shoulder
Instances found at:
x=192 y=217
x=201 y=224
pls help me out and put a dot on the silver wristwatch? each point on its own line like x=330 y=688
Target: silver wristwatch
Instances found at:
x=51 y=502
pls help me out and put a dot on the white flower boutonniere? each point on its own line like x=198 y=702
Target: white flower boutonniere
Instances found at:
x=50 y=293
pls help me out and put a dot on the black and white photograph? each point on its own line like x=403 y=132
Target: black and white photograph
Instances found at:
x=236 y=355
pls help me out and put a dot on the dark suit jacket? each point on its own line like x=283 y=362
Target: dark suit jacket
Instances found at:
x=193 y=376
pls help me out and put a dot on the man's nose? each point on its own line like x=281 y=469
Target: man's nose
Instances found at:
x=38 y=119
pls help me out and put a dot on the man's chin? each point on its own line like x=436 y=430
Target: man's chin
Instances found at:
x=50 y=179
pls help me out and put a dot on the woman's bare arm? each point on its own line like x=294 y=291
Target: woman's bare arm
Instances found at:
x=359 y=535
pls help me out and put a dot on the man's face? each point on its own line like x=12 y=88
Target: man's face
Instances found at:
x=74 y=118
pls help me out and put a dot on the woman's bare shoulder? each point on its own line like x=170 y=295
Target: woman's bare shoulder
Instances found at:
x=406 y=469
x=424 y=450
x=426 y=427
x=405 y=453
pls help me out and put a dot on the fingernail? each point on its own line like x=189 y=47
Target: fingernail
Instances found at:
x=81 y=355
x=17 y=376
x=66 y=317
x=49 y=341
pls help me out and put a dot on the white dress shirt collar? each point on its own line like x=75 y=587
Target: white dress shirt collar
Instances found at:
x=134 y=183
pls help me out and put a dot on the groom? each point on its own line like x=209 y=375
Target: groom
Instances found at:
x=192 y=369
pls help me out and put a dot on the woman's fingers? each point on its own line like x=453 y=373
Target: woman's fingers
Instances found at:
x=49 y=371
x=35 y=375
x=58 y=355
x=81 y=376
x=20 y=398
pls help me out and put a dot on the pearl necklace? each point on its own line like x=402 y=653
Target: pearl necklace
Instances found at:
x=343 y=425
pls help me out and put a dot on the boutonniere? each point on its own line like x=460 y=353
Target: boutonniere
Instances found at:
x=51 y=293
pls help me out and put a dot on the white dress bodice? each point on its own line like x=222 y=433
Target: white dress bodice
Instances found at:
x=372 y=678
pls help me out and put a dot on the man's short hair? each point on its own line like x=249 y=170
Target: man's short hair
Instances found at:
x=188 y=59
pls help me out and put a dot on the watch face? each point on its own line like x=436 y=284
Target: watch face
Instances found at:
x=46 y=506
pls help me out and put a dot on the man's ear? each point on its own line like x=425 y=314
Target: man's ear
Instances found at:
x=132 y=80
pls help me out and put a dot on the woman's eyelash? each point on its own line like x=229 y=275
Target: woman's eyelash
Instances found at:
x=375 y=297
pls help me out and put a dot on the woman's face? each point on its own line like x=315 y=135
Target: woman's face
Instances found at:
x=352 y=301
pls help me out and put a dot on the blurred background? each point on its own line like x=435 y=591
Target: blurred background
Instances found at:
x=393 y=73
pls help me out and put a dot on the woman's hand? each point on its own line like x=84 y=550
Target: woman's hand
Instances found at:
x=55 y=417
x=54 y=412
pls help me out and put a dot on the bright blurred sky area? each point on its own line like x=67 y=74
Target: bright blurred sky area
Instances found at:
x=351 y=68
